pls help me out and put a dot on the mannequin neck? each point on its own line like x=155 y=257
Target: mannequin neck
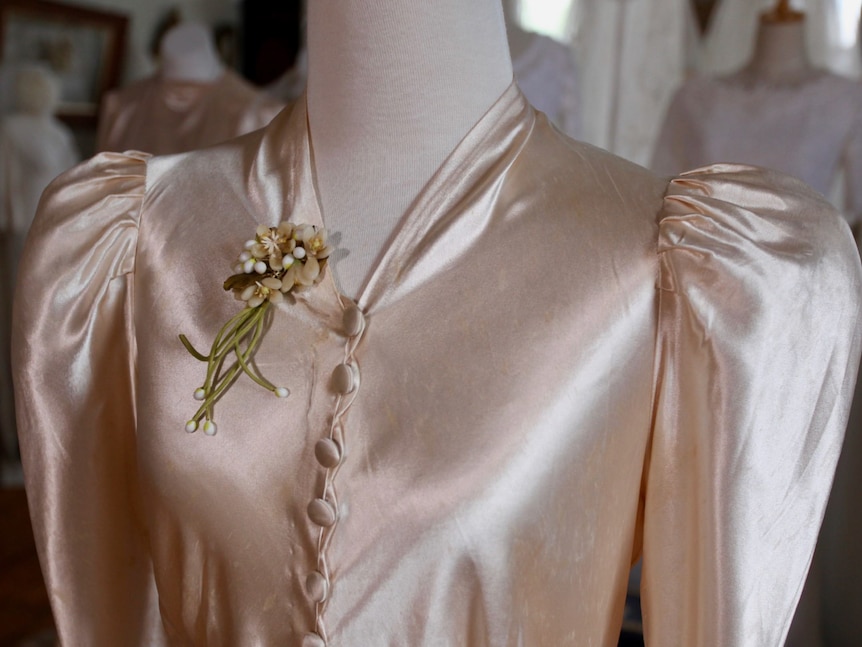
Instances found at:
x=519 y=38
x=779 y=54
x=393 y=86
x=188 y=54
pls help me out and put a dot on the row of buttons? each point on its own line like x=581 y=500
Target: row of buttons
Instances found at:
x=327 y=451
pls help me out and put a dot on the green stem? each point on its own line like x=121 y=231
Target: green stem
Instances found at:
x=207 y=405
x=250 y=349
x=247 y=325
x=216 y=356
x=193 y=350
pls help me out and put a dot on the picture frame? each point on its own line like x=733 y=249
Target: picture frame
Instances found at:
x=83 y=47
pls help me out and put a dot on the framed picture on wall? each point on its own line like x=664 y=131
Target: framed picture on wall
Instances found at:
x=83 y=47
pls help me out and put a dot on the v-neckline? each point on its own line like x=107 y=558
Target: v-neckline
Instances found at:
x=448 y=184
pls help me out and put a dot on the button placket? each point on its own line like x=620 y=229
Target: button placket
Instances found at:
x=330 y=453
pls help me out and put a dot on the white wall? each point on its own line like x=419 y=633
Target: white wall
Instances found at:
x=144 y=15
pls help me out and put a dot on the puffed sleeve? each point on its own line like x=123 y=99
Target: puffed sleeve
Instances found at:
x=74 y=357
x=758 y=344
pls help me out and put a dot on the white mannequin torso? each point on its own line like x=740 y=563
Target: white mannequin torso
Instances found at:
x=387 y=103
x=780 y=55
x=188 y=54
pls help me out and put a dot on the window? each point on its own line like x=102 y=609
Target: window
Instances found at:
x=549 y=17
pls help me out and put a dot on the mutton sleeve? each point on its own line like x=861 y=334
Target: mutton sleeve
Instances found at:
x=758 y=344
x=73 y=357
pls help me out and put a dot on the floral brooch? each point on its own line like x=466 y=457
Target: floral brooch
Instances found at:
x=277 y=261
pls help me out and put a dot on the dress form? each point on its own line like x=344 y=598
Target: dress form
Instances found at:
x=192 y=102
x=188 y=54
x=387 y=103
x=780 y=55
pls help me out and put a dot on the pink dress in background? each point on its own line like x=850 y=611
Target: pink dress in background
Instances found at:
x=163 y=117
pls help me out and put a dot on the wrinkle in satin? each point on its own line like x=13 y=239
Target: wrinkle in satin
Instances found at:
x=566 y=362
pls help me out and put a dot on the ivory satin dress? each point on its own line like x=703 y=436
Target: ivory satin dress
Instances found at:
x=566 y=362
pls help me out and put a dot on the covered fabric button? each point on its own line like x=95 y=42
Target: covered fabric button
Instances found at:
x=316 y=586
x=312 y=640
x=327 y=452
x=344 y=378
x=354 y=321
x=321 y=512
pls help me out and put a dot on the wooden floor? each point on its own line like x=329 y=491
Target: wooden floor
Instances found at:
x=25 y=617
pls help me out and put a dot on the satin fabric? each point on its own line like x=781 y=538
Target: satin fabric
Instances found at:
x=162 y=116
x=34 y=149
x=811 y=129
x=567 y=363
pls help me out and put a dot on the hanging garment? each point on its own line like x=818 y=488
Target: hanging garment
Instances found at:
x=811 y=129
x=633 y=54
x=163 y=117
x=548 y=76
x=34 y=149
x=537 y=386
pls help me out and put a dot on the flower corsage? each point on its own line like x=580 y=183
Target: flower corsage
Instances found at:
x=279 y=260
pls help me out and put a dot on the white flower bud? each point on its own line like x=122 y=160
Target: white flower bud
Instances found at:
x=200 y=394
x=248 y=266
x=260 y=267
x=281 y=392
x=191 y=426
x=249 y=244
x=244 y=256
x=299 y=253
x=210 y=428
x=248 y=293
x=287 y=261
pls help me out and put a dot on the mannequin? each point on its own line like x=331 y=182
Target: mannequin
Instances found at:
x=190 y=103
x=780 y=55
x=778 y=111
x=383 y=117
x=188 y=54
